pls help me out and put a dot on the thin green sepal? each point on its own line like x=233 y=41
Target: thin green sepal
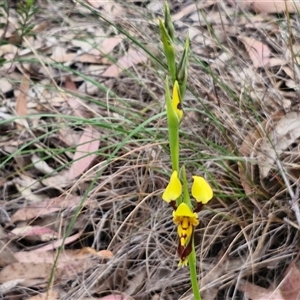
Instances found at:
x=182 y=68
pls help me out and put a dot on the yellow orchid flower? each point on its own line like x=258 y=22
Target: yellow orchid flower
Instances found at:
x=184 y=215
x=176 y=101
x=173 y=189
x=201 y=190
x=186 y=220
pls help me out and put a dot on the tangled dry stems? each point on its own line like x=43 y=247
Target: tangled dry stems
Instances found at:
x=237 y=239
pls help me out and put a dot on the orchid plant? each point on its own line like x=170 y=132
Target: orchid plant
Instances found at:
x=176 y=193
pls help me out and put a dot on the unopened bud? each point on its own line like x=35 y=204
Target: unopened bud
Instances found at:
x=182 y=69
x=168 y=22
x=169 y=49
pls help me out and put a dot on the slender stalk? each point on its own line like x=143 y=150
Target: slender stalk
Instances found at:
x=173 y=126
x=186 y=195
x=193 y=273
x=192 y=256
x=174 y=149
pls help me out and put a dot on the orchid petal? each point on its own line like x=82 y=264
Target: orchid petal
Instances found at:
x=173 y=189
x=201 y=190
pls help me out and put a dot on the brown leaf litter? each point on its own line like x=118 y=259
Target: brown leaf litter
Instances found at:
x=83 y=140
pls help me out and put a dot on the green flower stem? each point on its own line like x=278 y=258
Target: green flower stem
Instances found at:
x=173 y=128
x=186 y=195
x=193 y=273
x=192 y=256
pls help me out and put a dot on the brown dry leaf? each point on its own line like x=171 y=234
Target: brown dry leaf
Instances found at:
x=109 y=297
x=258 y=52
x=273 y=61
x=59 y=242
x=40 y=27
x=8 y=49
x=111 y=9
x=109 y=44
x=66 y=256
x=50 y=295
x=95 y=3
x=57 y=181
x=192 y=8
x=105 y=254
x=268 y=6
x=88 y=143
x=27 y=190
x=5 y=221
x=69 y=263
x=26 y=181
x=9 y=285
x=35 y=233
x=32 y=273
x=5 y=86
x=75 y=103
x=37 y=268
x=256 y=292
x=290 y=287
x=69 y=84
x=7 y=257
x=21 y=104
x=132 y=58
x=70 y=137
x=88 y=250
x=272 y=6
x=41 y=257
x=283 y=132
x=46 y=207
x=60 y=54
x=104 y=48
x=113 y=297
x=41 y=165
x=88 y=58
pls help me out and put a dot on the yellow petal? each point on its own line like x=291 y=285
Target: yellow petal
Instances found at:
x=201 y=190
x=183 y=263
x=184 y=211
x=173 y=189
x=176 y=103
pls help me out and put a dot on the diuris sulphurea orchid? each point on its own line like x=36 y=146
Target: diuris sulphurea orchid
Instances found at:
x=184 y=216
x=177 y=193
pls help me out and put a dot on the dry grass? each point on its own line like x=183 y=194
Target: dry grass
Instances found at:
x=244 y=232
